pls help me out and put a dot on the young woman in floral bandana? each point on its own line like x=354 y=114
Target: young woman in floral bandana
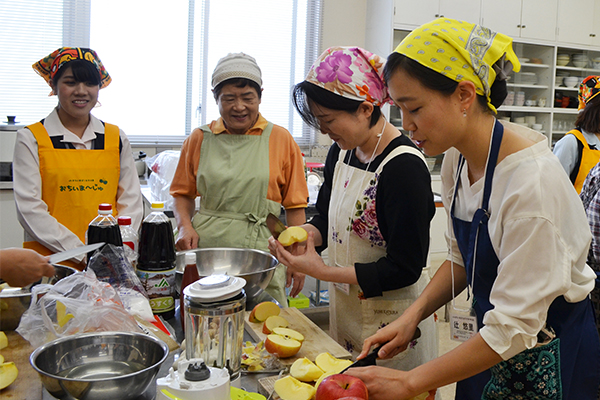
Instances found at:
x=375 y=205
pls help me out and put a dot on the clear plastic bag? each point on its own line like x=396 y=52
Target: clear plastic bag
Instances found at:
x=163 y=166
x=76 y=304
x=111 y=265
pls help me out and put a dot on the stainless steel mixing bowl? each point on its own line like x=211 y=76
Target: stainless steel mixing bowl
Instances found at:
x=15 y=301
x=255 y=266
x=100 y=365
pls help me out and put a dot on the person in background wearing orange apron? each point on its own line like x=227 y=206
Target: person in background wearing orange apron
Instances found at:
x=242 y=167
x=70 y=162
x=375 y=205
x=579 y=150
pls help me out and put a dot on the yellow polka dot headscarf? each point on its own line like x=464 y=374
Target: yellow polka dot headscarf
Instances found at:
x=461 y=51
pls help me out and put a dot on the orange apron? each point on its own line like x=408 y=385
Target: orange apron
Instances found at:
x=589 y=158
x=75 y=182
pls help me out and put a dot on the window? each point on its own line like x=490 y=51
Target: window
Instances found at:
x=161 y=56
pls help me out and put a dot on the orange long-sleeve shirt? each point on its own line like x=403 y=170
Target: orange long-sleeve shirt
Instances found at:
x=287 y=183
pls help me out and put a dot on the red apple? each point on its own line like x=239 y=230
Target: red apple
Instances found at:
x=338 y=386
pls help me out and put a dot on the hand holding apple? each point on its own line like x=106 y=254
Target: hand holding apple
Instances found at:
x=339 y=386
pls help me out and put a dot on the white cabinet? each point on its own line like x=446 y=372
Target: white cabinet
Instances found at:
x=582 y=14
x=531 y=19
x=409 y=13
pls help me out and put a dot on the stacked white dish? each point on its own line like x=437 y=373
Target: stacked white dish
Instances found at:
x=580 y=60
x=571 y=81
x=529 y=78
x=596 y=63
x=563 y=59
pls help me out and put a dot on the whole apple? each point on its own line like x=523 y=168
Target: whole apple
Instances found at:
x=338 y=386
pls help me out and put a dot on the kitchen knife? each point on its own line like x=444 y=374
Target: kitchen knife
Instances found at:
x=372 y=356
x=67 y=254
x=275 y=225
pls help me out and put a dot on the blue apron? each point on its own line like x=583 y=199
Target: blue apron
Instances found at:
x=573 y=323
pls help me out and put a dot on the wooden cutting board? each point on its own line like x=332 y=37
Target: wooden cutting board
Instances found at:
x=315 y=340
x=28 y=384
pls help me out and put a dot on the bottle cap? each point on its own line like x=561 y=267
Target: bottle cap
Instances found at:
x=190 y=258
x=158 y=205
x=124 y=220
x=105 y=208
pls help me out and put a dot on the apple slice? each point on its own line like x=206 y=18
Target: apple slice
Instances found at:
x=263 y=310
x=1 y=359
x=305 y=370
x=292 y=334
x=8 y=374
x=292 y=235
x=282 y=346
x=272 y=322
x=329 y=363
x=3 y=340
x=290 y=388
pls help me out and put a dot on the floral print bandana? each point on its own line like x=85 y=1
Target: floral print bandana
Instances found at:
x=48 y=66
x=461 y=51
x=351 y=72
x=588 y=89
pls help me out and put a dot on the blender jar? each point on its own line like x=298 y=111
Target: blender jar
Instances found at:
x=214 y=322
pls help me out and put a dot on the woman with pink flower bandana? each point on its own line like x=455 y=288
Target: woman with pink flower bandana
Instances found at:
x=374 y=208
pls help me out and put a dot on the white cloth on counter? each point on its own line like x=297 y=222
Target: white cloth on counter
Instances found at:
x=539 y=231
x=32 y=211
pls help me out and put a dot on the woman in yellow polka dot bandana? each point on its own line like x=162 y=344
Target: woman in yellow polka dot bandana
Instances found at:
x=462 y=51
x=517 y=234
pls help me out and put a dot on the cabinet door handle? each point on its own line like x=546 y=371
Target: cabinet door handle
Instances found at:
x=523 y=26
x=518 y=26
x=437 y=15
x=592 y=34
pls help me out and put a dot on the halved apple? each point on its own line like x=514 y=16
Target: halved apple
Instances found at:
x=272 y=322
x=3 y=340
x=329 y=363
x=284 y=342
x=290 y=388
x=305 y=370
x=263 y=310
x=289 y=333
x=8 y=374
x=292 y=235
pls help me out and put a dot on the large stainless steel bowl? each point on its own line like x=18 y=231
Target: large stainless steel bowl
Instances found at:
x=15 y=301
x=255 y=266
x=100 y=365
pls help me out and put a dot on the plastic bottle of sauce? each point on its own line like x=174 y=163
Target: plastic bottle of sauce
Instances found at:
x=156 y=261
x=190 y=275
x=130 y=238
x=104 y=228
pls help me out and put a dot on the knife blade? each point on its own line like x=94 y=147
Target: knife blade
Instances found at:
x=275 y=225
x=372 y=356
x=67 y=254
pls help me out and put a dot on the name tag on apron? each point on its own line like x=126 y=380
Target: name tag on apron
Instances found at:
x=463 y=324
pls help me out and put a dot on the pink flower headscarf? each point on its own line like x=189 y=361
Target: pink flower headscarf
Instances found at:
x=351 y=72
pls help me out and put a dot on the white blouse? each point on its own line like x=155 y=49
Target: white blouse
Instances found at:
x=32 y=211
x=540 y=234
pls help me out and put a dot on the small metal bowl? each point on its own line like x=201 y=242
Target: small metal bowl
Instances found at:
x=100 y=365
x=14 y=301
x=255 y=266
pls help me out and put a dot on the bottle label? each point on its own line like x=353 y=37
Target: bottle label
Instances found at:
x=130 y=244
x=160 y=286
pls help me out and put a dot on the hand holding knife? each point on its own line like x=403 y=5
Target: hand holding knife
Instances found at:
x=372 y=356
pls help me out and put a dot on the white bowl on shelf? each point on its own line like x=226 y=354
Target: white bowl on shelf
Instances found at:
x=580 y=63
x=571 y=81
x=596 y=64
x=562 y=62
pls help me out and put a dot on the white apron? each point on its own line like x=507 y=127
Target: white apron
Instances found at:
x=352 y=318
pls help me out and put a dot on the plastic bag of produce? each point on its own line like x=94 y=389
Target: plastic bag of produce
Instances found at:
x=76 y=304
x=111 y=265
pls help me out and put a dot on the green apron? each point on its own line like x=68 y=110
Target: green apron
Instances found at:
x=233 y=179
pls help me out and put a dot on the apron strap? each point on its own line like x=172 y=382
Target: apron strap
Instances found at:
x=41 y=135
x=111 y=136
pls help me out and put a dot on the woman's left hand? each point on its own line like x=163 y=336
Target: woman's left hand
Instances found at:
x=298 y=258
x=383 y=383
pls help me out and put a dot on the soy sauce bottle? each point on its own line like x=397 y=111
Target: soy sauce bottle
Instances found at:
x=104 y=228
x=156 y=261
